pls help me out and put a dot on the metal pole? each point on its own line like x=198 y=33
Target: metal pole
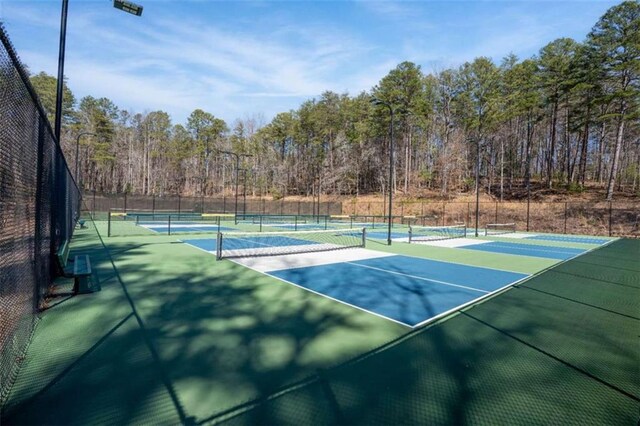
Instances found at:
x=244 y=192
x=235 y=208
x=528 y=205
x=390 y=179
x=565 y=217
x=610 y=218
x=60 y=82
x=478 y=187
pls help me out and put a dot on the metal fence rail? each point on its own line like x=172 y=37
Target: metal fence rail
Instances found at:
x=39 y=207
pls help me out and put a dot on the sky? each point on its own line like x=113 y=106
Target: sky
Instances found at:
x=255 y=58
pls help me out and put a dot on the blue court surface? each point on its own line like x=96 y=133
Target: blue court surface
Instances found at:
x=251 y=242
x=569 y=239
x=185 y=227
x=549 y=252
x=404 y=289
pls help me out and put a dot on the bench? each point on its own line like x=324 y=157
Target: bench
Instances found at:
x=81 y=269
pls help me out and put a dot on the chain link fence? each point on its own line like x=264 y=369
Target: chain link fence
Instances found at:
x=39 y=207
x=100 y=204
x=616 y=218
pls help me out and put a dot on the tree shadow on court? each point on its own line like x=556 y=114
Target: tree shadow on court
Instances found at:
x=177 y=337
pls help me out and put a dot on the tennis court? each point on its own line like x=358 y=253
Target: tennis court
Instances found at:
x=353 y=335
x=405 y=289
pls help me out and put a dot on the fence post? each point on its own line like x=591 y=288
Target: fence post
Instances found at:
x=610 y=218
x=224 y=203
x=528 y=205
x=468 y=213
x=443 y=213
x=179 y=206
x=565 y=217
x=93 y=209
x=109 y=223
x=153 y=204
x=298 y=207
x=263 y=203
x=496 y=218
x=125 y=202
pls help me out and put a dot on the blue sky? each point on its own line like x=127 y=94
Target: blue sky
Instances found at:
x=253 y=59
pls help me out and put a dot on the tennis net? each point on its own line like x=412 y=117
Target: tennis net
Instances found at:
x=499 y=228
x=435 y=233
x=247 y=244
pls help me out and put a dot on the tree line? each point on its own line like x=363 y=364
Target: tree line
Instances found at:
x=568 y=116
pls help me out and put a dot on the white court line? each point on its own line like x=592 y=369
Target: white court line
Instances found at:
x=325 y=295
x=419 y=278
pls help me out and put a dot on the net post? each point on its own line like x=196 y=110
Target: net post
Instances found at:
x=260 y=223
x=364 y=237
x=464 y=231
x=109 y=224
x=373 y=222
x=137 y=220
x=295 y=223
x=219 y=246
x=351 y=223
x=326 y=223
x=410 y=229
x=169 y=225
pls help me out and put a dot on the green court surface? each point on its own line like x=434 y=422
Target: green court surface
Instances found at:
x=178 y=337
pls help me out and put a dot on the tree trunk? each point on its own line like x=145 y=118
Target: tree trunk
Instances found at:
x=583 y=151
x=552 y=147
x=616 y=155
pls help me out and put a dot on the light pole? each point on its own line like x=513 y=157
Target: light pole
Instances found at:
x=237 y=156
x=244 y=192
x=478 y=187
x=118 y=4
x=78 y=153
x=376 y=101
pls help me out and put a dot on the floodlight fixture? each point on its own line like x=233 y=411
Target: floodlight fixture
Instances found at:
x=129 y=7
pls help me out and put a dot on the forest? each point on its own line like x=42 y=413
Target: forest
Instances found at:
x=567 y=117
